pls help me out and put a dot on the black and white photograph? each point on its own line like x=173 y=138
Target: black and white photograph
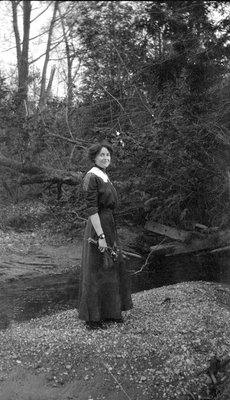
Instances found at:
x=114 y=200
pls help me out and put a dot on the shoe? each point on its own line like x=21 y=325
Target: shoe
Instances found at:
x=116 y=320
x=93 y=325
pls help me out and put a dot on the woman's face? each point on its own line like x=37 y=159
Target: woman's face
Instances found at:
x=103 y=158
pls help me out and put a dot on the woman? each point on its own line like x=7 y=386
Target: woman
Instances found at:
x=104 y=287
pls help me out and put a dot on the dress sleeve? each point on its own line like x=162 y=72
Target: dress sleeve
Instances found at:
x=90 y=187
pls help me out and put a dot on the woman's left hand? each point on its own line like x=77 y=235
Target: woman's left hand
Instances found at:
x=102 y=245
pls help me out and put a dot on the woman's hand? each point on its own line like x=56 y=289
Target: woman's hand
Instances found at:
x=102 y=245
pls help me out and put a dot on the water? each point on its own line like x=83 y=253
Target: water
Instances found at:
x=182 y=268
x=28 y=298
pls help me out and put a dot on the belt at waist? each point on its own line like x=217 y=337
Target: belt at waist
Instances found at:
x=106 y=210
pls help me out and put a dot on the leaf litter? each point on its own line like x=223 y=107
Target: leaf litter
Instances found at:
x=163 y=350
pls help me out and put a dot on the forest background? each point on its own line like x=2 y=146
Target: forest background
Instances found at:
x=151 y=77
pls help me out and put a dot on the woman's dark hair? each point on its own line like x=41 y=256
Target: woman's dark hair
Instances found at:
x=95 y=149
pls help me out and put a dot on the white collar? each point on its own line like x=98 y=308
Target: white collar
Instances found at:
x=99 y=173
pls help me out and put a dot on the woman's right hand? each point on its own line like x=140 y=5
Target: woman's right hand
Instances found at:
x=102 y=245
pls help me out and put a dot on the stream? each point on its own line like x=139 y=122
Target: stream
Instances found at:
x=30 y=297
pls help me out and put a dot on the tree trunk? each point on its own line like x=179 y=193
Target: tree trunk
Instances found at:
x=70 y=54
x=49 y=86
x=16 y=32
x=43 y=91
x=69 y=59
x=22 y=52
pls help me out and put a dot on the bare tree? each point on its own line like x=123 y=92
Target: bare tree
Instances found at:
x=22 y=48
x=44 y=92
x=70 y=53
x=22 y=51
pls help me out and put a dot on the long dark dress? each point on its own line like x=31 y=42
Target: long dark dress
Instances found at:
x=104 y=291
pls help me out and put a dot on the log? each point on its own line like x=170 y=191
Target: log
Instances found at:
x=211 y=242
x=41 y=174
x=172 y=233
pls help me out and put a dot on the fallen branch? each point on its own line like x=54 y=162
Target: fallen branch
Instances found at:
x=124 y=252
x=211 y=242
x=40 y=174
x=147 y=261
x=118 y=383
